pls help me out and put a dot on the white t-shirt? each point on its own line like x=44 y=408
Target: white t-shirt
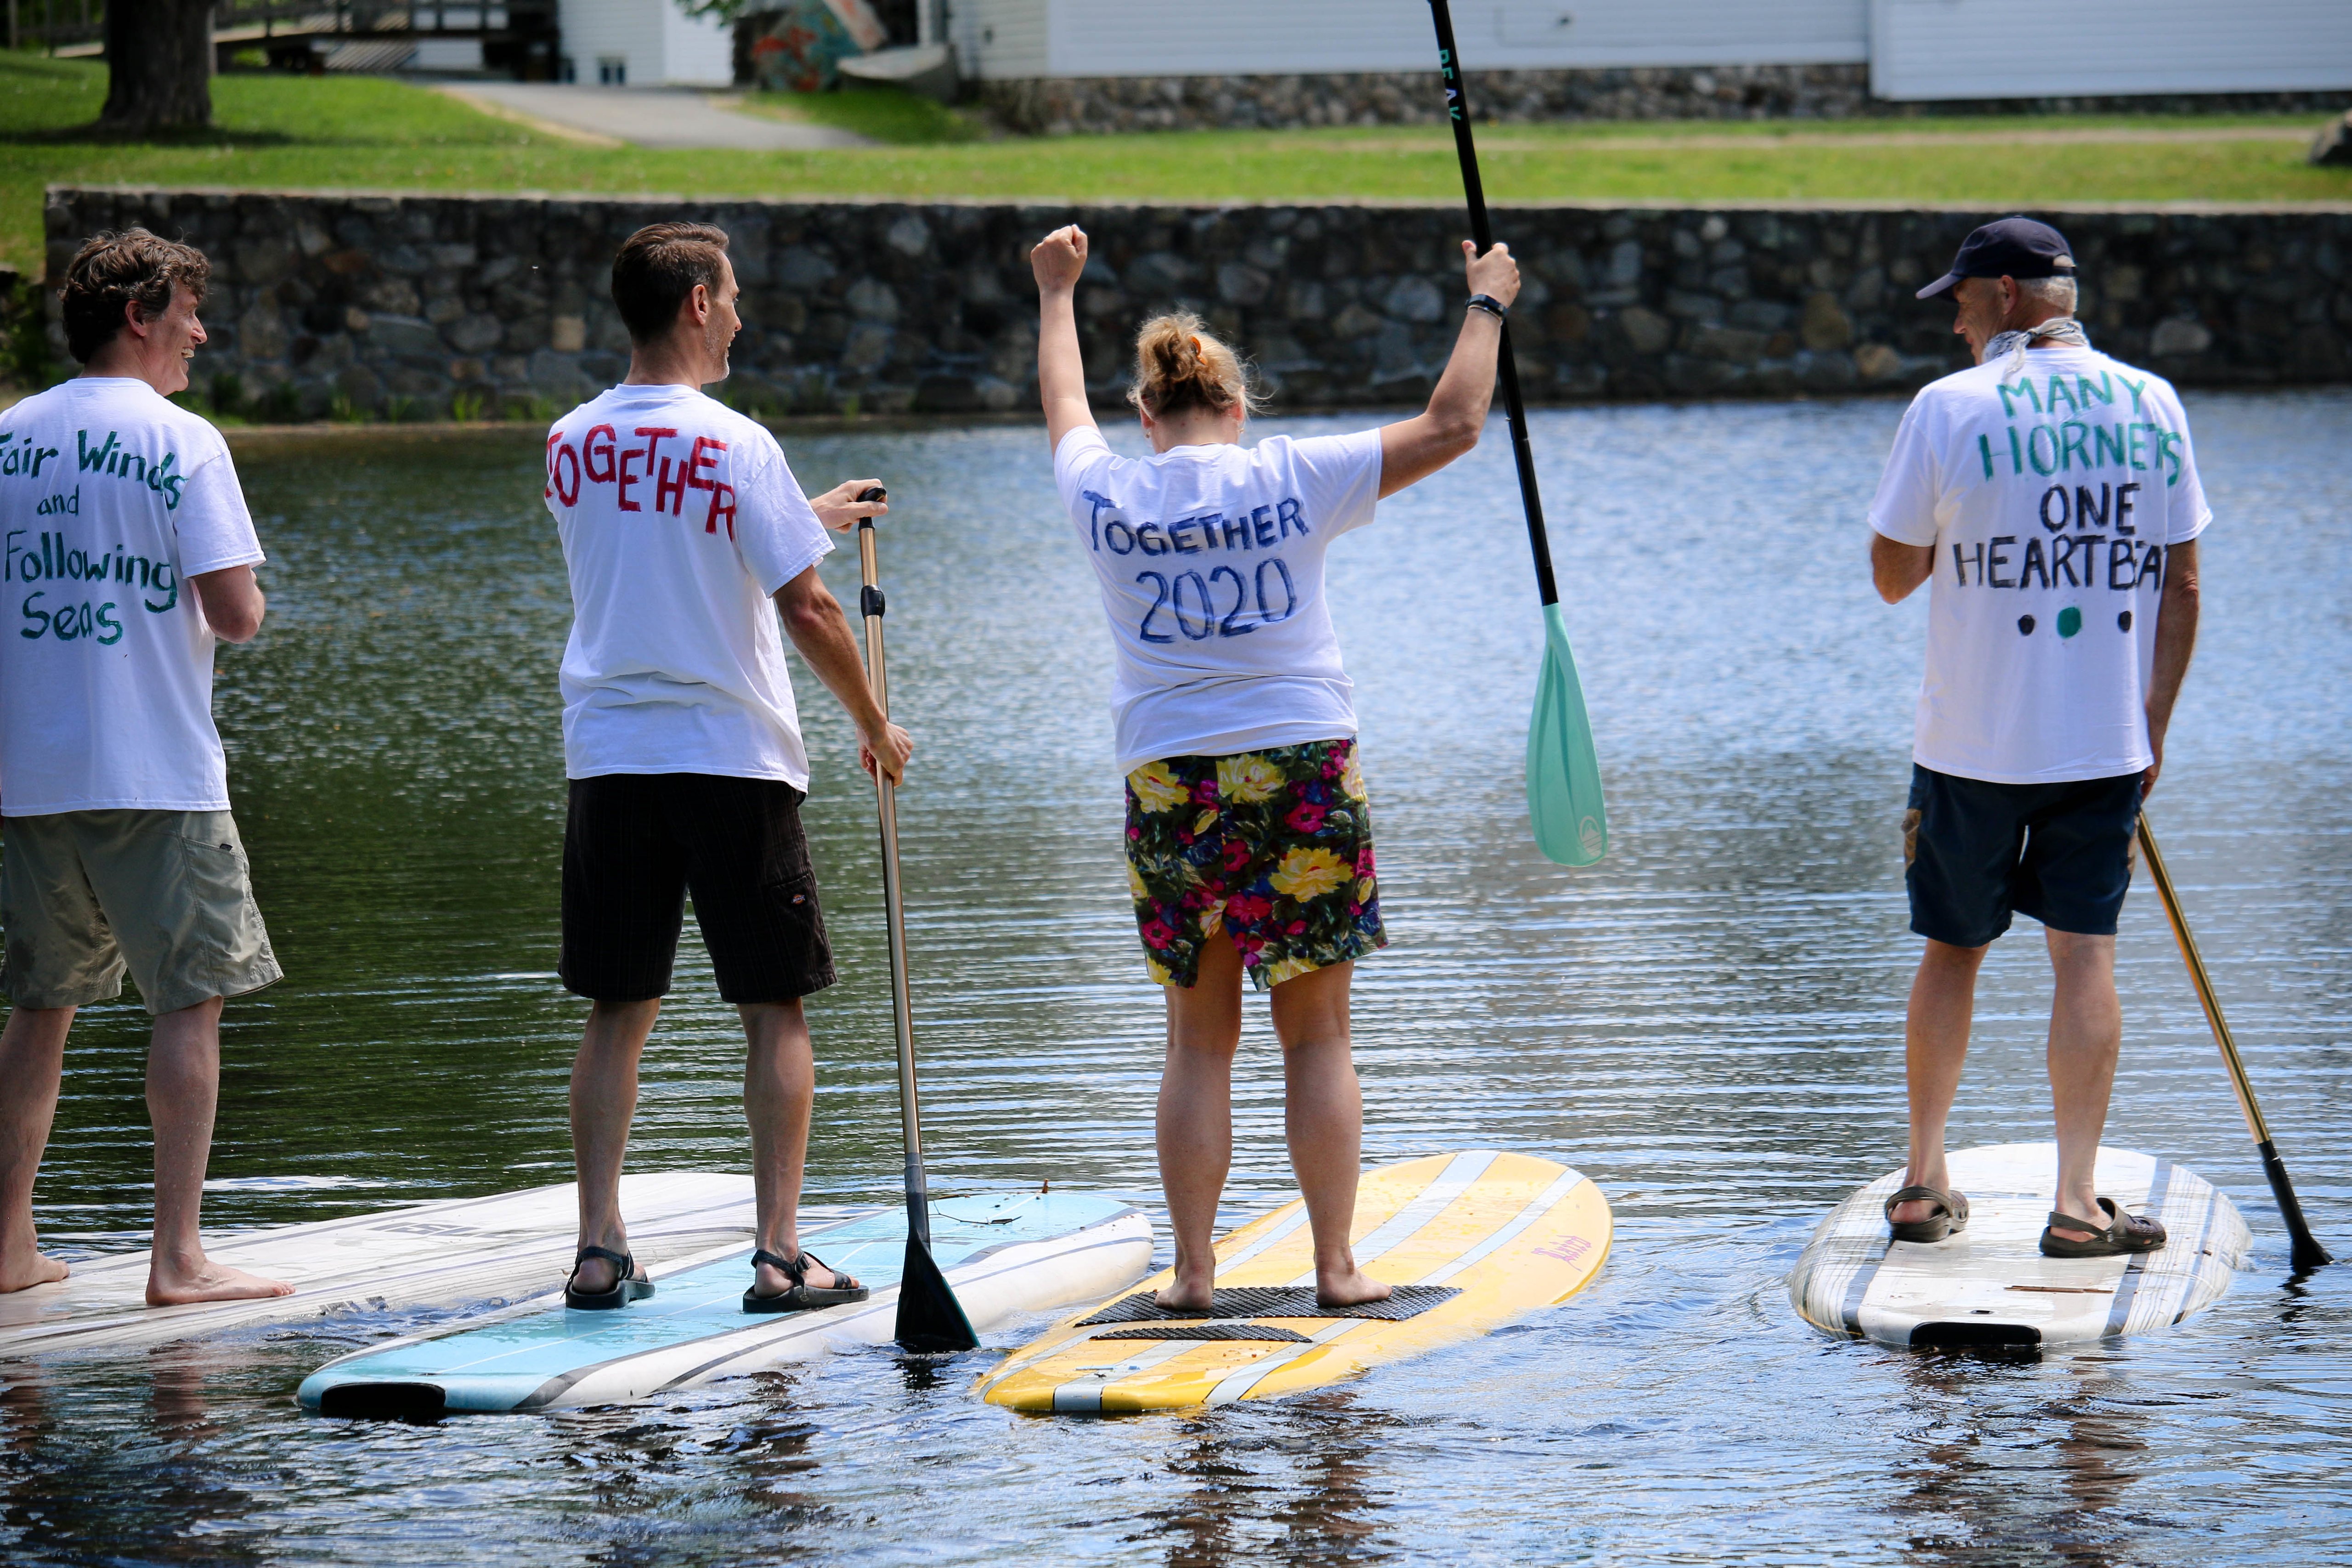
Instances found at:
x=111 y=499
x=680 y=519
x=2052 y=500
x=1210 y=562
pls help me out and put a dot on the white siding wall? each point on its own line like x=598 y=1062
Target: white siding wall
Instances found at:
x=1264 y=38
x=1002 y=38
x=697 y=51
x=2034 y=48
x=660 y=43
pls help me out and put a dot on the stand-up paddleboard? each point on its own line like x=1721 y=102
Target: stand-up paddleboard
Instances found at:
x=1003 y=1253
x=452 y=1252
x=1989 y=1285
x=1471 y=1241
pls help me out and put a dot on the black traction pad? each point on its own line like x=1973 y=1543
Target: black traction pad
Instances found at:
x=1206 y=1331
x=1275 y=1302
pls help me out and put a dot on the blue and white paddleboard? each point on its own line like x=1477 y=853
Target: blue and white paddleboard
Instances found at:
x=1004 y=1253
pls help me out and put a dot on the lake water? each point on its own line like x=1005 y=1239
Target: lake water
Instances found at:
x=1709 y=1024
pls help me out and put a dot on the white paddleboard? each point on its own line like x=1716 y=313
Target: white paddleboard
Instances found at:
x=453 y=1253
x=1990 y=1286
x=1003 y=1253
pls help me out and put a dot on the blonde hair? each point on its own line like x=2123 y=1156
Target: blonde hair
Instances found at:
x=1180 y=365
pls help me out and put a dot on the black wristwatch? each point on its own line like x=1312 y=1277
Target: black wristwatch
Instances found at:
x=1489 y=304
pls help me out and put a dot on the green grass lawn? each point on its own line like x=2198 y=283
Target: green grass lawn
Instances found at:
x=303 y=133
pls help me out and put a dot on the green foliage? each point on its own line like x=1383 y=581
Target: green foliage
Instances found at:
x=25 y=358
x=466 y=406
x=281 y=404
x=228 y=392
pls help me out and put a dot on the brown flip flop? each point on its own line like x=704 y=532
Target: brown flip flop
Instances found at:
x=1936 y=1226
x=2123 y=1233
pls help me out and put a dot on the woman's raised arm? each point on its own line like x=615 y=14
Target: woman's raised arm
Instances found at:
x=1058 y=260
x=1417 y=447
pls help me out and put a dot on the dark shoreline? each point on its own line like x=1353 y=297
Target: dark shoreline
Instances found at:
x=411 y=310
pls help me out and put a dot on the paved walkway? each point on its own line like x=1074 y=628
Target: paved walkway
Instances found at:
x=648 y=117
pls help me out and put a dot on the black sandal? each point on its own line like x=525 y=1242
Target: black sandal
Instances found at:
x=1936 y=1226
x=800 y=1296
x=629 y=1285
x=2122 y=1234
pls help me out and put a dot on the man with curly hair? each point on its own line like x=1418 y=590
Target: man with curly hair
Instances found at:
x=129 y=554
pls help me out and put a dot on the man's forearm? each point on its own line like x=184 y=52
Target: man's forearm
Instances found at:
x=2176 y=644
x=821 y=633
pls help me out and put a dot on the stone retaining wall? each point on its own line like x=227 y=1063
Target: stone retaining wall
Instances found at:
x=1063 y=105
x=414 y=307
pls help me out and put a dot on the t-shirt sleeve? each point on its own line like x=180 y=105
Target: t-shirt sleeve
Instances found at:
x=1078 y=462
x=777 y=534
x=2186 y=511
x=1910 y=486
x=214 y=530
x=1340 y=476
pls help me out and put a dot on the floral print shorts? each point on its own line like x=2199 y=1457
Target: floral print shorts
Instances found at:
x=1271 y=847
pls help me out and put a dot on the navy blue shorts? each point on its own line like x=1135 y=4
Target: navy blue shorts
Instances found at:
x=1974 y=853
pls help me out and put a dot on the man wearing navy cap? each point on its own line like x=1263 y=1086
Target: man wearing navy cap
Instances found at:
x=2051 y=494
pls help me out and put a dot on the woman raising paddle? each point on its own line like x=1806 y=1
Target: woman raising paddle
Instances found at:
x=1249 y=841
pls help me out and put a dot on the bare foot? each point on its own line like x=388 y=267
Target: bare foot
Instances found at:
x=1188 y=1293
x=177 y=1284
x=33 y=1270
x=1352 y=1289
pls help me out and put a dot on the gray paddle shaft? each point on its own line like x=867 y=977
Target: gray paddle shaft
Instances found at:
x=919 y=1198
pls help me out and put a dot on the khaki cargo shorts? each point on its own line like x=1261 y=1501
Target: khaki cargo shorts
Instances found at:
x=166 y=894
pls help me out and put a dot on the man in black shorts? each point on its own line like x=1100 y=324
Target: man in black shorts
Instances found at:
x=680 y=522
x=2051 y=493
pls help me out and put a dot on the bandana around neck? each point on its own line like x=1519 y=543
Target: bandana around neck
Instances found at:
x=2057 y=330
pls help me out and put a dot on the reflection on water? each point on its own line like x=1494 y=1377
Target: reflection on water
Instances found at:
x=1709 y=1024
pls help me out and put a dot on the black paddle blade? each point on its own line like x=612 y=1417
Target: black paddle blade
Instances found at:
x=930 y=1319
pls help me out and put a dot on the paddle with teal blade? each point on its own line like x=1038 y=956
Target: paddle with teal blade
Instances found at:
x=1564 y=803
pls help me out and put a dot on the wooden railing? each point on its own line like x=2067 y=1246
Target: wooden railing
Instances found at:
x=56 y=25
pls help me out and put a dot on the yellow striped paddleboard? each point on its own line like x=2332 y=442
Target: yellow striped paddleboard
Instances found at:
x=1472 y=1240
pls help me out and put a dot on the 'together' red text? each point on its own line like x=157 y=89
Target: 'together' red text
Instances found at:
x=603 y=460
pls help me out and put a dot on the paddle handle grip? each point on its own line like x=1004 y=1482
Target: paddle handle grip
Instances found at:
x=1473 y=191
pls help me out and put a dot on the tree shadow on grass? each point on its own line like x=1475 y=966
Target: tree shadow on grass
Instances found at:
x=94 y=134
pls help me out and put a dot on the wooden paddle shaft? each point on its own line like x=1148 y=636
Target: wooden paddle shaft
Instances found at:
x=2308 y=1253
x=1474 y=192
x=871 y=604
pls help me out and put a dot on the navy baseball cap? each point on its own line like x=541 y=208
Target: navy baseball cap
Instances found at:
x=2008 y=247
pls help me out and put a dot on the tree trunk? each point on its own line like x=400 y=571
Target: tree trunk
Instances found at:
x=159 y=57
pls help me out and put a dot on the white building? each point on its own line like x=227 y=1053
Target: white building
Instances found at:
x=643 y=43
x=1914 y=48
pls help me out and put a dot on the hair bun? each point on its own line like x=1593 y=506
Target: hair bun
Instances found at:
x=1179 y=365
